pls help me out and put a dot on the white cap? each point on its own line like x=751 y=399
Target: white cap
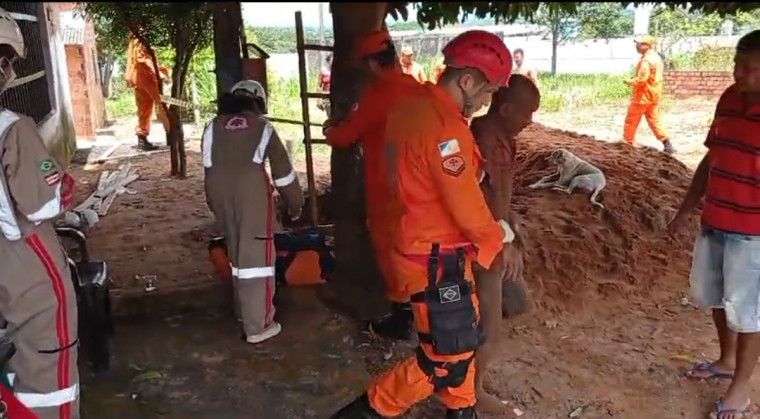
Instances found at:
x=251 y=87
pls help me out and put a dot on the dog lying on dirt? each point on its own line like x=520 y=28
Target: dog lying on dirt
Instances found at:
x=573 y=172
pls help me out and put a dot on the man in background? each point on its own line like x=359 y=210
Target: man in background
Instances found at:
x=524 y=68
x=647 y=92
x=325 y=74
x=410 y=67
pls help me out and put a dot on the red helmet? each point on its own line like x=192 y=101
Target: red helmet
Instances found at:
x=482 y=50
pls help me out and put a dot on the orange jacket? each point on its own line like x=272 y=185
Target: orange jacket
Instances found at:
x=139 y=69
x=366 y=123
x=433 y=166
x=647 y=85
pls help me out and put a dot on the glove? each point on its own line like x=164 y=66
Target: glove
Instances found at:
x=509 y=235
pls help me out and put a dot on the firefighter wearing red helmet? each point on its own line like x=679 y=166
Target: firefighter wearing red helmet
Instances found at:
x=443 y=226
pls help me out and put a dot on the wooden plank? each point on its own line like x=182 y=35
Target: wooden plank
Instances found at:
x=138 y=154
x=317 y=95
x=316 y=47
x=293 y=122
x=101 y=158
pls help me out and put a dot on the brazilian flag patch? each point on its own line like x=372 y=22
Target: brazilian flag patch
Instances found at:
x=46 y=165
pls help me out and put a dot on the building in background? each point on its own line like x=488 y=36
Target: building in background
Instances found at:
x=88 y=104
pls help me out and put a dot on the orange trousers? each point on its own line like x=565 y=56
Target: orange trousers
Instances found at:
x=147 y=96
x=651 y=111
x=396 y=390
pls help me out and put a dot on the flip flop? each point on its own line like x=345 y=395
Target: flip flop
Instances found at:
x=737 y=413
x=709 y=367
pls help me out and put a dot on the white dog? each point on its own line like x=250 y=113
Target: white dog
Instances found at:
x=573 y=172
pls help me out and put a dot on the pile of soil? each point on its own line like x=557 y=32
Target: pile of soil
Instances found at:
x=577 y=252
x=575 y=249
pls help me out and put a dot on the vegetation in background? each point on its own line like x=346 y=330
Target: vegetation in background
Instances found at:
x=581 y=21
x=182 y=28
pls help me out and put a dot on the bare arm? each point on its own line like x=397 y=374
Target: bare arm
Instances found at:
x=698 y=187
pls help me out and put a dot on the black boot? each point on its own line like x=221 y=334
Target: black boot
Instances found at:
x=357 y=409
x=667 y=147
x=395 y=325
x=144 y=145
x=466 y=413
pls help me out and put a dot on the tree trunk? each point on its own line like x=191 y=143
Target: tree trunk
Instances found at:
x=176 y=136
x=555 y=44
x=106 y=72
x=356 y=286
x=227 y=58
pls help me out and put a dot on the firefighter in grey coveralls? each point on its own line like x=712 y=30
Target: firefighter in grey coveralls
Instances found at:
x=37 y=300
x=239 y=192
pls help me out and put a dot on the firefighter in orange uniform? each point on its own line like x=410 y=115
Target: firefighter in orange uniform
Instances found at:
x=647 y=92
x=366 y=123
x=442 y=226
x=140 y=74
x=410 y=67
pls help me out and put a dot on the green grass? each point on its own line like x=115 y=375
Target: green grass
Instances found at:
x=561 y=93
x=570 y=91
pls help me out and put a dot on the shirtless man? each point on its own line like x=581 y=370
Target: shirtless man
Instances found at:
x=524 y=68
x=511 y=111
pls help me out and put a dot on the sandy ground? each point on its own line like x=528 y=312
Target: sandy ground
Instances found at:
x=611 y=333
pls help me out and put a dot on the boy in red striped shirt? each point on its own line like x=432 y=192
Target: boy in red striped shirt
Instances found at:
x=725 y=274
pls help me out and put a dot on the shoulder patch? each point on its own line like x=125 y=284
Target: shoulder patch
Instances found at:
x=453 y=165
x=236 y=123
x=45 y=165
x=449 y=147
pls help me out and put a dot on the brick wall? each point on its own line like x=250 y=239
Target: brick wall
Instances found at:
x=697 y=83
x=88 y=104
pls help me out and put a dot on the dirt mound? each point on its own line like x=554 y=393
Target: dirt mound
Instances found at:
x=577 y=250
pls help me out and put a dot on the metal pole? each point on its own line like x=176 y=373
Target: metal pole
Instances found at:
x=306 y=127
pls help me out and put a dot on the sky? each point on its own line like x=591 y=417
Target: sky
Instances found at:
x=283 y=14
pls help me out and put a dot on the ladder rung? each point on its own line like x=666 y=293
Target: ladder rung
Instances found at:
x=316 y=47
x=317 y=95
x=318 y=141
x=290 y=121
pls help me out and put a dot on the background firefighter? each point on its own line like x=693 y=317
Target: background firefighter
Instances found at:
x=501 y=291
x=647 y=92
x=140 y=74
x=325 y=75
x=239 y=191
x=411 y=67
x=442 y=217
x=366 y=122
x=37 y=300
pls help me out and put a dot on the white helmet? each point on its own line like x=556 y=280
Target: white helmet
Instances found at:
x=10 y=33
x=251 y=88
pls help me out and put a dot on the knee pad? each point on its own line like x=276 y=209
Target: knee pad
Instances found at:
x=456 y=372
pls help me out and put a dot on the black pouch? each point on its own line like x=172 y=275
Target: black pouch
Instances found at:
x=451 y=312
